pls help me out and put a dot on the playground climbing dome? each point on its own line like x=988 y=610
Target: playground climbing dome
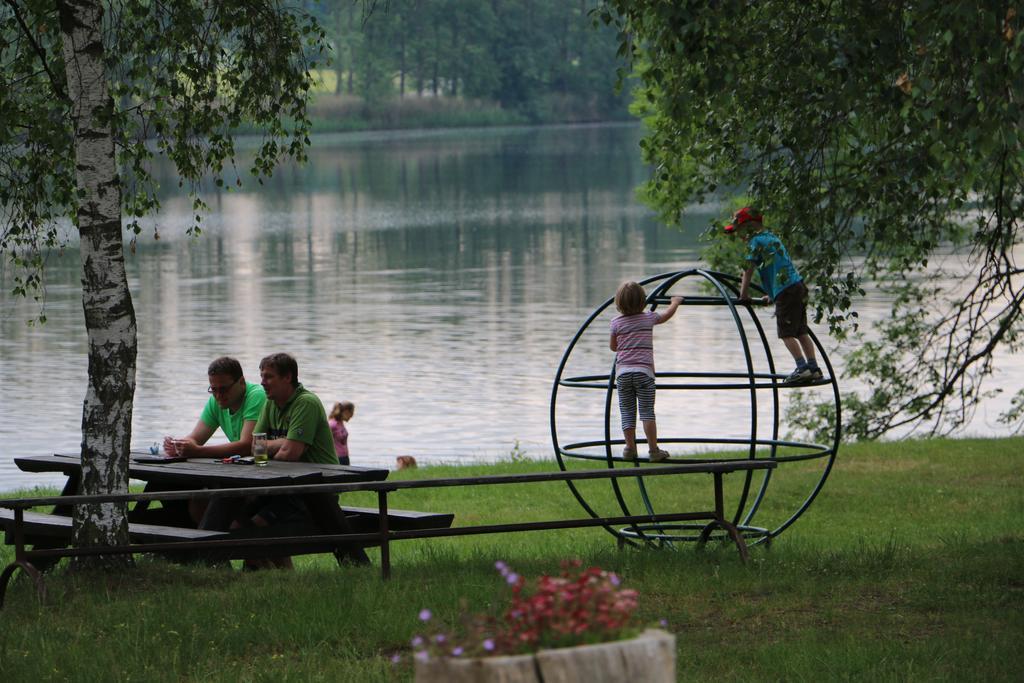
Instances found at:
x=747 y=395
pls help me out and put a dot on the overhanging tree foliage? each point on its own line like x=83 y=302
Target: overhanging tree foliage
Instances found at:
x=878 y=136
x=91 y=91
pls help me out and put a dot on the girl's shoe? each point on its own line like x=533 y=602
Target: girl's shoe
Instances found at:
x=629 y=454
x=658 y=455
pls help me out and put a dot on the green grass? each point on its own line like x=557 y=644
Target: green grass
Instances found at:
x=910 y=565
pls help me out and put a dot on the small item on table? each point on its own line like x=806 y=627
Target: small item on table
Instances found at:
x=259 y=448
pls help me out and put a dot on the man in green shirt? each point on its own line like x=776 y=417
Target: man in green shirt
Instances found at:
x=234 y=406
x=296 y=425
x=293 y=418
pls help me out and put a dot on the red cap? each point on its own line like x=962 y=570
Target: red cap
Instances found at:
x=744 y=215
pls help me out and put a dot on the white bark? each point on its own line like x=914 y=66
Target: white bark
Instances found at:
x=109 y=315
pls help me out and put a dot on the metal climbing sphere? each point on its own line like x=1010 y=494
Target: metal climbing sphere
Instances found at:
x=758 y=381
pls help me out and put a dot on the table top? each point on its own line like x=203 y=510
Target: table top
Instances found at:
x=210 y=473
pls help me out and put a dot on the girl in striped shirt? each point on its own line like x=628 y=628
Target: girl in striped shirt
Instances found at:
x=633 y=342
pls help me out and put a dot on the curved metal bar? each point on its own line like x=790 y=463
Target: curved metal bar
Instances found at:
x=826 y=453
x=766 y=478
x=608 y=446
x=661 y=291
x=835 y=444
x=725 y=441
x=721 y=284
x=27 y=568
x=644 y=497
x=554 y=398
x=715 y=387
x=747 y=531
x=655 y=295
x=758 y=375
x=552 y=416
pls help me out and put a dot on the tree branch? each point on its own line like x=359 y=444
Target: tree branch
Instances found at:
x=39 y=50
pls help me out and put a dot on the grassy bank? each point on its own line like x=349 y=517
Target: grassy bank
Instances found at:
x=909 y=565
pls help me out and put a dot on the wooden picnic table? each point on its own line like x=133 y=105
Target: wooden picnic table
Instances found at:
x=207 y=473
x=24 y=525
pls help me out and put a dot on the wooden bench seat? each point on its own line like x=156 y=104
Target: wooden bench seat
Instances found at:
x=368 y=519
x=43 y=528
x=43 y=525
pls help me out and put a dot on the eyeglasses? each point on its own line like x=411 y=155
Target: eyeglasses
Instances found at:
x=221 y=390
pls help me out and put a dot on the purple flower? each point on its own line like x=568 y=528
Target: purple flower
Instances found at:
x=425 y=615
x=663 y=623
x=614 y=578
x=417 y=641
x=489 y=645
x=512 y=578
x=395 y=659
x=501 y=567
x=422 y=656
x=439 y=638
x=457 y=652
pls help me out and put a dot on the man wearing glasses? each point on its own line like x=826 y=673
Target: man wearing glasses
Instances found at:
x=234 y=406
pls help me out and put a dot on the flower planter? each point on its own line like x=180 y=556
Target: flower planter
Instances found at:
x=650 y=657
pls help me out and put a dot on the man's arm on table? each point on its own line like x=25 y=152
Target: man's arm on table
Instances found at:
x=192 y=446
x=286 y=449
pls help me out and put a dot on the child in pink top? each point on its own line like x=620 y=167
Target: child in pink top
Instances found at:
x=340 y=414
x=633 y=342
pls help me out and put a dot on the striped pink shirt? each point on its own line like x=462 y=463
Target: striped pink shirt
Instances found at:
x=634 y=335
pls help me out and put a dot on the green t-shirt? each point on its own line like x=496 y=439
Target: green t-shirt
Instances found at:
x=302 y=419
x=214 y=416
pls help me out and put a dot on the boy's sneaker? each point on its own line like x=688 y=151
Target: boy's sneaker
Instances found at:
x=799 y=376
x=629 y=454
x=817 y=374
x=658 y=455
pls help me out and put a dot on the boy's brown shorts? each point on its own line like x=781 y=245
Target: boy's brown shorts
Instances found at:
x=791 y=311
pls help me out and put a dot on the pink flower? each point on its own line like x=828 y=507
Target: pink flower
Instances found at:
x=577 y=606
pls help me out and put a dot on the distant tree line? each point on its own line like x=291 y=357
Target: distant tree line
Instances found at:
x=531 y=56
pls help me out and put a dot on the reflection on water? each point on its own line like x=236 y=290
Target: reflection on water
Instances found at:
x=432 y=279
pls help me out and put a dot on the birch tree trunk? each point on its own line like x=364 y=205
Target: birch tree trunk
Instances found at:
x=109 y=314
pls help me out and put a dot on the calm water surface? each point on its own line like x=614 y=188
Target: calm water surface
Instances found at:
x=434 y=279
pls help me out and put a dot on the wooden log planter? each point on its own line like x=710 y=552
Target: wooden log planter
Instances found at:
x=650 y=657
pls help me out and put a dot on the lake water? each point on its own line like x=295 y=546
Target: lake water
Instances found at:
x=434 y=279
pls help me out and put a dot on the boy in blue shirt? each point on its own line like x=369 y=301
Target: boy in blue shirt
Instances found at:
x=782 y=281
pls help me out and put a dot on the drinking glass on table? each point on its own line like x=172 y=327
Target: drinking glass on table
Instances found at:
x=259 y=448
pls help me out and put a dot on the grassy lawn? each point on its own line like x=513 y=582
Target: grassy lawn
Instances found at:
x=910 y=565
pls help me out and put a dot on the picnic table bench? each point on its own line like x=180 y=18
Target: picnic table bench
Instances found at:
x=391 y=525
